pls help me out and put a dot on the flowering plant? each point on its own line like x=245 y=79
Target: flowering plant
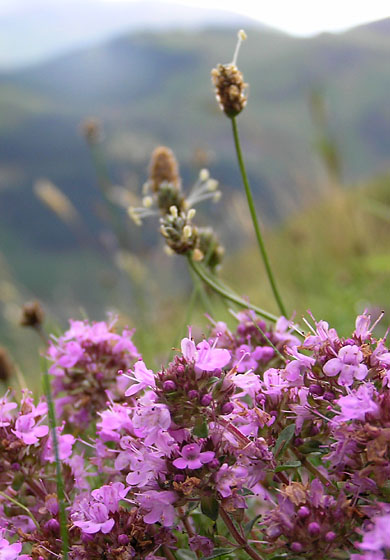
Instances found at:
x=262 y=441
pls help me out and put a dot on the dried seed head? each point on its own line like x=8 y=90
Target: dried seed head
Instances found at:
x=180 y=235
x=229 y=88
x=91 y=130
x=163 y=169
x=229 y=83
x=6 y=367
x=32 y=315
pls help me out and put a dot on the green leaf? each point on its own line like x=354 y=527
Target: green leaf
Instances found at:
x=201 y=428
x=284 y=438
x=185 y=554
x=286 y=466
x=310 y=446
x=220 y=552
x=249 y=526
x=246 y=492
x=210 y=507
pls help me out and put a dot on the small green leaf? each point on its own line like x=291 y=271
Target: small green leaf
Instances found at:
x=201 y=428
x=185 y=554
x=210 y=507
x=249 y=526
x=284 y=438
x=286 y=466
x=246 y=492
x=310 y=446
x=220 y=552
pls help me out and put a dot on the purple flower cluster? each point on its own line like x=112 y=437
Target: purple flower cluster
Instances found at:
x=86 y=360
x=256 y=442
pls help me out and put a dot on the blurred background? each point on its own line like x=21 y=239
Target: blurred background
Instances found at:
x=136 y=74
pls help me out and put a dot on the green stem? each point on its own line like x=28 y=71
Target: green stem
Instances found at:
x=227 y=294
x=23 y=507
x=256 y=226
x=240 y=540
x=60 y=482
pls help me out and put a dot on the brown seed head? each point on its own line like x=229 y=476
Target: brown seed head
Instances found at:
x=91 y=130
x=6 y=367
x=229 y=88
x=32 y=315
x=163 y=168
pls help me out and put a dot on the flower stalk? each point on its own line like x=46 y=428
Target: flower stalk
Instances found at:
x=256 y=226
x=59 y=480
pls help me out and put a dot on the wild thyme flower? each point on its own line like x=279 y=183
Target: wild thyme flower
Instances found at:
x=86 y=360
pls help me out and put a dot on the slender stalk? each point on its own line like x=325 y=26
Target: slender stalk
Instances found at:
x=240 y=540
x=256 y=226
x=227 y=294
x=60 y=482
x=23 y=507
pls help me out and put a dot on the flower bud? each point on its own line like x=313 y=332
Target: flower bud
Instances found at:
x=169 y=385
x=193 y=394
x=330 y=536
x=303 y=512
x=313 y=528
x=53 y=526
x=227 y=408
x=206 y=399
x=316 y=389
x=123 y=539
x=296 y=547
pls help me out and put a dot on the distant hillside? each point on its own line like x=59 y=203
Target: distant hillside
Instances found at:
x=155 y=88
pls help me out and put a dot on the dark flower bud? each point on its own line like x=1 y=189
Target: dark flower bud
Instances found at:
x=123 y=539
x=169 y=385
x=227 y=408
x=53 y=526
x=193 y=394
x=329 y=396
x=313 y=528
x=330 y=536
x=303 y=512
x=206 y=399
x=316 y=390
x=296 y=547
x=32 y=315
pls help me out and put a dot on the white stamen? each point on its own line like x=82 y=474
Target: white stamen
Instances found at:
x=241 y=37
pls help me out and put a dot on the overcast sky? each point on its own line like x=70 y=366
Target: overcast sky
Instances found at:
x=300 y=17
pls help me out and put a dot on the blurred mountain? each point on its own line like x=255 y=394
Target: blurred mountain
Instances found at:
x=33 y=31
x=154 y=88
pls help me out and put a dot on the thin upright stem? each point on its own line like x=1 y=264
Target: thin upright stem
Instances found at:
x=256 y=226
x=60 y=482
